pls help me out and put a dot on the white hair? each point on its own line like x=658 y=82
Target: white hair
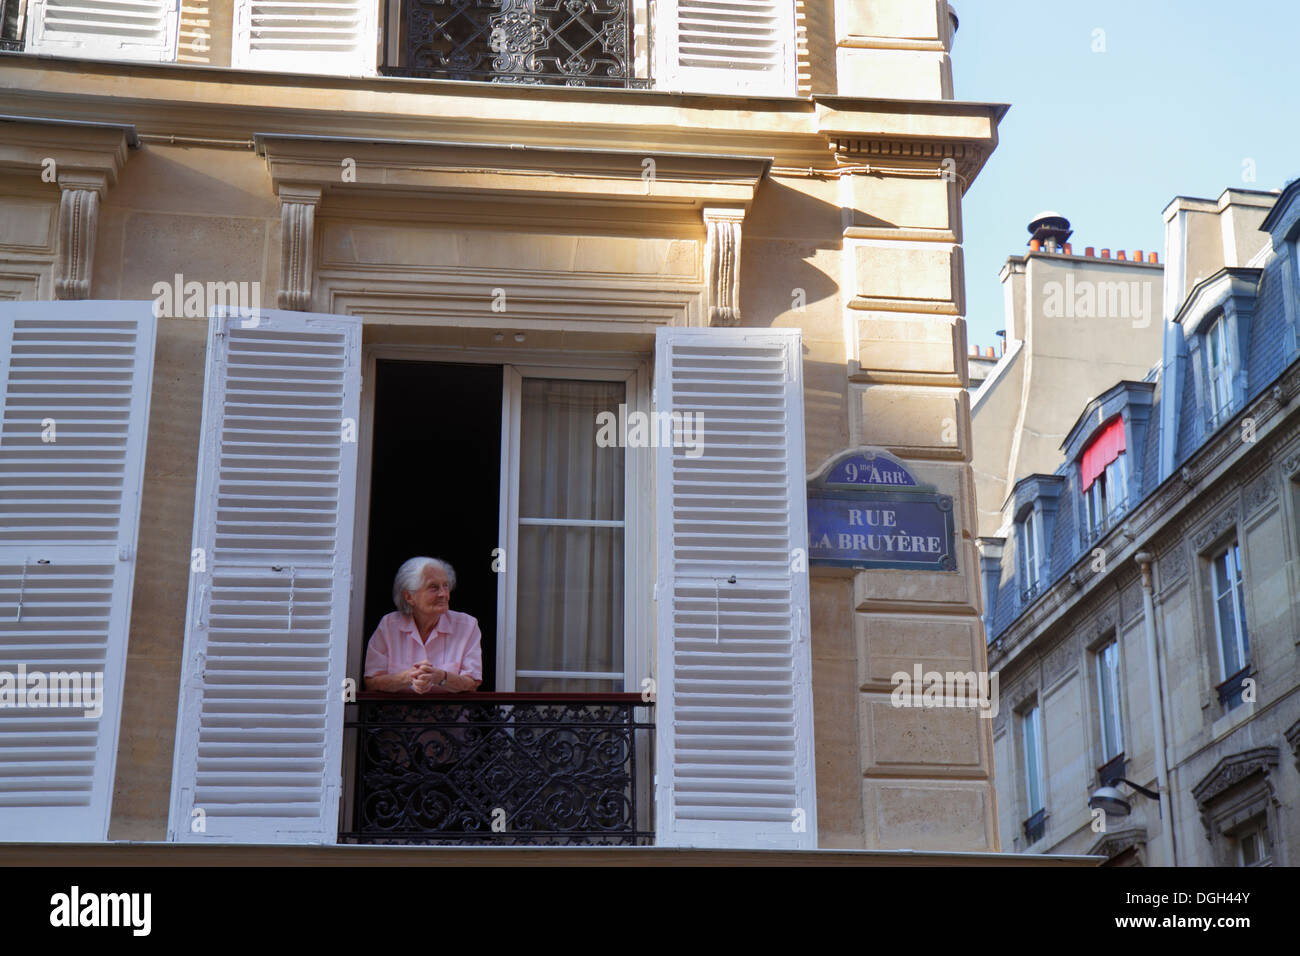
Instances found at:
x=411 y=575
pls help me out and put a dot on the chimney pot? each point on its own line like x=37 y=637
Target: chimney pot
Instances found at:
x=1034 y=245
x=1068 y=250
x=1138 y=256
x=1089 y=252
x=1120 y=255
x=1152 y=257
x=1105 y=253
x=989 y=353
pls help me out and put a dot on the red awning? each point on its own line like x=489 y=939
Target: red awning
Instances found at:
x=1105 y=448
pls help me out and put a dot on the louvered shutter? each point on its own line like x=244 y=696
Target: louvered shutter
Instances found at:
x=260 y=727
x=105 y=29
x=734 y=725
x=305 y=36
x=727 y=46
x=74 y=410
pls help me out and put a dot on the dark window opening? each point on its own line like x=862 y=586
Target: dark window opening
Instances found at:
x=435 y=486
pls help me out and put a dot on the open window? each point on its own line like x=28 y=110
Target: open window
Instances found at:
x=1232 y=639
x=277 y=620
x=1218 y=372
x=1104 y=479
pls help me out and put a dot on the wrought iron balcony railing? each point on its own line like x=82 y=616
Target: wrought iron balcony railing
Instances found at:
x=556 y=42
x=1035 y=827
x=11 y=24
x=503 y=769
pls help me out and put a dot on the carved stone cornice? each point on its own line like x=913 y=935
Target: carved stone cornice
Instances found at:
x=1111 y=845
x=1292 y=735
x=722 y=257
x=1219 y=526
x=83 y=160
x=545 y=184
x=1230 y=771
x=297 y=244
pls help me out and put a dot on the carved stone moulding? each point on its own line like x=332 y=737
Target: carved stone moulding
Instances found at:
x=83 y=160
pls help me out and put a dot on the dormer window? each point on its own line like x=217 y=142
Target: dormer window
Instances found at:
x=1104 y=479
x=1220 y=371
x=1029 y=549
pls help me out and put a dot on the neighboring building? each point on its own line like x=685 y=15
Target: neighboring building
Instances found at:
x=1075 y=324
x=465 y=275
x=981 y=362
x=1171 y=531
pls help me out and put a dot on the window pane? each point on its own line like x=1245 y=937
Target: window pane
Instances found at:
x=1033 y=789
x=562 y=472
x=1250 y=849
x=1108 y=685
x=570 y=604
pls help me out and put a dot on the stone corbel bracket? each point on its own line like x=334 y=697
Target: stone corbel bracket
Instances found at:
x=298 y=202
x=722 y=256
x=83 y=160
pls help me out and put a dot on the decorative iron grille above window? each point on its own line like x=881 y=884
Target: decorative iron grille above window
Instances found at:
x=552 y=42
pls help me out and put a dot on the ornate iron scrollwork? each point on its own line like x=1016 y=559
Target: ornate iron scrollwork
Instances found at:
x=561 y=772
x=560 y=42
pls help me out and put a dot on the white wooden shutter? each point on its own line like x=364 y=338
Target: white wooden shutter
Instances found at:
x=734 y=726
x=306 y=36
x=105 y=29
x=727 y=46
x=78 y=373
x=260 y=724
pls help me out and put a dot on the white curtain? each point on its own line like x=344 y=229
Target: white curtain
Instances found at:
x=570 y=599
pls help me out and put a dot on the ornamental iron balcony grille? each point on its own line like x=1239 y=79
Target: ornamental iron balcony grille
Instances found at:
x=502 y=769
x=539 y=42
x=11 y=25
x=1231 y=690
x=1035 y=827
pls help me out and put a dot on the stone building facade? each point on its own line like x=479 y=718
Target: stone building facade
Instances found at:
x=365 y=199
x=1169 y=537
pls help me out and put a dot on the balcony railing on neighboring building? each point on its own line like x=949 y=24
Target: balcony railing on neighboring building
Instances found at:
x=555 y=42
x=1035 y=827
x=1232 y=689
x=1112 y=770
x=502 y=769
x=11 y=24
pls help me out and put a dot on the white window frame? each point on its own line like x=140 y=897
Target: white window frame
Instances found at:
x=639 y=560
x=636 y=573
x=1031 y=734
x=1219 y=375
x=1109 y=668
x=1231 y=557
x=1028 y=543
x=1259 y=830
x=1105 y=498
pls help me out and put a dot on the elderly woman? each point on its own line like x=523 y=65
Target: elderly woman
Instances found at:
x=424 y=646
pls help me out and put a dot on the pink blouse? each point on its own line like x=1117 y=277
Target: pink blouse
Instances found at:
x=453 y=645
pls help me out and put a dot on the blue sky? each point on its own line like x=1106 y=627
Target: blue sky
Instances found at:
x=1183 y=94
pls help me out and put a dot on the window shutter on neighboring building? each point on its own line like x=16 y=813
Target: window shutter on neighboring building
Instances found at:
x=734 y=726
x=117 y=29
x=75 y=379
x=260 y=726
x=302 y=36
x=727 y=46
